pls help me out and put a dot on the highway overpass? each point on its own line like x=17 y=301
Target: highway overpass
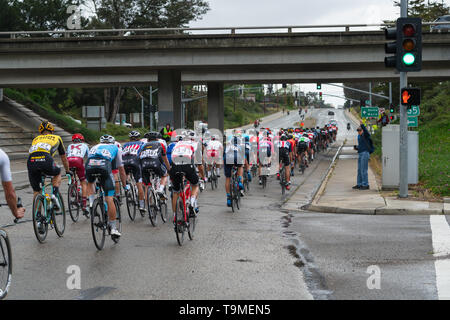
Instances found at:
x=168 y=60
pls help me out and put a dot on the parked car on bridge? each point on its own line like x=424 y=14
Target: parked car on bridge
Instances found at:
x=441 y=27
x=330 y=113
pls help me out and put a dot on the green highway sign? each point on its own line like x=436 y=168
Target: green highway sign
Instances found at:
x=414 y=111
x=413 y=121
x=369 y=112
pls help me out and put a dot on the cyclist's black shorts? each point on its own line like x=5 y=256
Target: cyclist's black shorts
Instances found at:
x=102 y=167
x=302 y=147
x=188 y=169
x=40 y=163
x=228 y=168
x=154 y=165
x=284 y=156
x=132 y=166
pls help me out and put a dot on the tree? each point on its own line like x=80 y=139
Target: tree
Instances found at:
x=122 y=14
x=428 y=10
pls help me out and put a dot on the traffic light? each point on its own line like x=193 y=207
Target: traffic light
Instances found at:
x=320 y=95
x=284 y=85
x=409 y=45
x=362 y=103
x=319 y=86
x=391 y=118
x=391 y=109
x=410 y=96
x=407 y=48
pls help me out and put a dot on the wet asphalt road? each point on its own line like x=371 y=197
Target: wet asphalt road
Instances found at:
x=260 y=252
x=242 y=255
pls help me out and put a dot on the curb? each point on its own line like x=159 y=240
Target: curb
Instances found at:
x=378 y=211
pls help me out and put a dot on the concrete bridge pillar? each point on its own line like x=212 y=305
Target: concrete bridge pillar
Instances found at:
x=169 y=98
x=215 y=106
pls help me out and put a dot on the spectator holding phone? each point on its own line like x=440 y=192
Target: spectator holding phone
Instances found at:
x=365 y=148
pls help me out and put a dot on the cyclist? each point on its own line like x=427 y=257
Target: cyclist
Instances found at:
x=214 y=151
x=285 y=153
x=40 y=160
x=153 y=157
x=248 y=146
x=302 y=149
x=183 y=155
x=103 y=158
x=8 y=189
x=132 y=164
x=265 y=151
x=234 y=155
x=195 y=142
x=77 y=151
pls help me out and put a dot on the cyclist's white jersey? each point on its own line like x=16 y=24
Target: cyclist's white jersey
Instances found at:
x=5 y=170
x=163 y=142
x=214 y=145
x=79 y=150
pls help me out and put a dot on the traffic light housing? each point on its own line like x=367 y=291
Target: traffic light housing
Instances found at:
x=362 y=103
x=320 y=95
x=410 y=96
x=319 y=86
x=391 y=108
x=407 y=47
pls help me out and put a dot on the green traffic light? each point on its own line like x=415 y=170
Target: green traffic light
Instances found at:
x=408 y=59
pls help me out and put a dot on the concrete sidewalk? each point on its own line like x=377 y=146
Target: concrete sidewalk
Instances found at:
x=337 y=196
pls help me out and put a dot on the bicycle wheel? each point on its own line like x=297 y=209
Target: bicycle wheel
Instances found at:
x=59 y=218
x=98 y=224
x=180 y=226
x=163 y=210
x=152 y=207
x=137 y=199
x=118 y=221
x=40 y=225
x=191 y=227
x=73 y=202
x=212 y=178
x=232 y=194
x=131 y=203
x=5 y=264
x=236 y=194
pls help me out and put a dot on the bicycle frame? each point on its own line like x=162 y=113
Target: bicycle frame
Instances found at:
x=185 y=194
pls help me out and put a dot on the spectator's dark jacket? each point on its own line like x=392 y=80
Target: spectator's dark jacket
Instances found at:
x=364 y=140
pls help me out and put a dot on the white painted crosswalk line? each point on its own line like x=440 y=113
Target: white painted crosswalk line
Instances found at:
x=440 y=231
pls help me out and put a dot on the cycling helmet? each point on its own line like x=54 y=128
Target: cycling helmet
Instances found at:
x=305 y=135
x=159 y=135
x=290 y=136
x=46 y=126
x=283 y=137
x=134 y=134
x=77 y=138
x=107 y=139
x=152 y=135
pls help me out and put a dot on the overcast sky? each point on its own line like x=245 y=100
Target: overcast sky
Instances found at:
x=239 y=13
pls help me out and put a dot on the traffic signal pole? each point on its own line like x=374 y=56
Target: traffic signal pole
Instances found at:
x=403 y=182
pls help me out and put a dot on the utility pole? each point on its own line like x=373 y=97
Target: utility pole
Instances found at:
x=403 y=182
x=150 y=109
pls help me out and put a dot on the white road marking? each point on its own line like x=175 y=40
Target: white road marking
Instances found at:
x=440 y=231
x=15 y=172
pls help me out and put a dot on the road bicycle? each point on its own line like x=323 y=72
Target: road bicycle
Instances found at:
x=235 y=194
x=246 y=182
x=213 y=177
x=46 y=213
x=132 y=199
x=6 y=256
x=99 y=216
x=74 y=198
x=184 y=219
x=283 y=179
x=155 y=204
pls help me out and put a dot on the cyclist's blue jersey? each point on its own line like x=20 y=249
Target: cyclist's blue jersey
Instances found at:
x=104 y=151
x=169 y=151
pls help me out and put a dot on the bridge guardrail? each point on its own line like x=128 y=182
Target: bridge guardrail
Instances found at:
x=228 y=30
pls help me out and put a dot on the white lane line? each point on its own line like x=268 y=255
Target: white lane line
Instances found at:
x=15 y=172
x=440 y=231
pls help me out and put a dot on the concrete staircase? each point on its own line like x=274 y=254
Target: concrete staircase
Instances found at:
x=18 y=126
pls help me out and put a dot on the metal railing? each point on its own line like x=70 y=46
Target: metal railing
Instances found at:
x=189 y=31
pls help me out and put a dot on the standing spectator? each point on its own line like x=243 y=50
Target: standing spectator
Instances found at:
x=384 y=119
x=166 y=132
x=365 y=148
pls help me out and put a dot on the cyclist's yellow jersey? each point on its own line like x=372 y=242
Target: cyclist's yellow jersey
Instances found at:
x=47 y=143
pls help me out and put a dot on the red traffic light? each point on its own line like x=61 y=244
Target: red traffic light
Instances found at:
x=391 y=117
x=410 y=96
x=409 y=30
